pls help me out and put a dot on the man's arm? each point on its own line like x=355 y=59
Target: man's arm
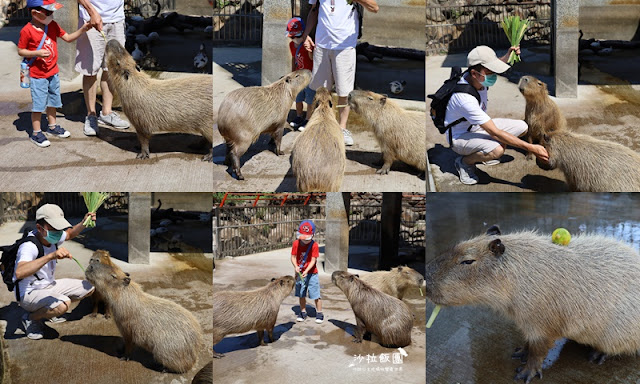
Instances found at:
x=369 y=5
x=76 y=229
x=28 y=268
x=96 y=19
x=509 y=139
x=505 y=58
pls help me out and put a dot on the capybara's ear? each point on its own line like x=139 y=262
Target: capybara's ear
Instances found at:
x=494 y=230
x=383 y=100
x=400 y=269
x=126 y=281
x=356 y=275
x=496 y=247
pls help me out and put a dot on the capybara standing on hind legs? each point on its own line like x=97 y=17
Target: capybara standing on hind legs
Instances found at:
x=592 y=165
x=541 y=114
x=238 y=312
x=318 y=158
x=245 y=113
x=182 y=105
x=383 y=315
x=160 y=326
x=586 y=291
x=401 y=134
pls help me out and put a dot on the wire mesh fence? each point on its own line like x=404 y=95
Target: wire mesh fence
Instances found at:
x=237 y=22
x=461 y=28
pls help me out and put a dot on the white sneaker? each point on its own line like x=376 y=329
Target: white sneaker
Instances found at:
x=33 y=329
x=56 y=320
x=466 y=173
x=491 y=162
x=90 y=126
x=348 y=140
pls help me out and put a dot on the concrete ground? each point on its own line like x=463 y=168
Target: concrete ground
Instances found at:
x=263 y=170
x=309 y=352
x=105 y=162
x=607 y=107
x=84 y=349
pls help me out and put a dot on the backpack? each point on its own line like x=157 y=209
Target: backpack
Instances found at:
x=440 y=100
x=8 y=260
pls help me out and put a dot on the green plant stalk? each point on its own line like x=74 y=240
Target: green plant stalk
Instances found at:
x=433 y=316
x=79 y=265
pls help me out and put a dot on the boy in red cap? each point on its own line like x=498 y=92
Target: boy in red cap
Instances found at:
x=42 y=52
x=301 y=58
x=304 y=256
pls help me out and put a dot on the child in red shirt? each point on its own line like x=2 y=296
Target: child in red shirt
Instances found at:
x=304 y=256
x=45 y=83
x=301 y=58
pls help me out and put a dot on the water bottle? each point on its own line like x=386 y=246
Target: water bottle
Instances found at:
x=25 y=80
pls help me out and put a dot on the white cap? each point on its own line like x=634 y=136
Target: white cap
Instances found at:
x=486 y=57
x=53 y=215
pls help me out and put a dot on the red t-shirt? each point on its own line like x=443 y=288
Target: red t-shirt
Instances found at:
x=299 y=249
x=303 y=61
x=30 y=36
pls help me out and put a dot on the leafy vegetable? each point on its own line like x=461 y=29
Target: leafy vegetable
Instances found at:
x=514 y=27
x=93 y=201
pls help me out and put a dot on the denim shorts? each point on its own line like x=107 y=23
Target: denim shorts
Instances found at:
x=310 y=284
x=306 y=95
x=45 y=93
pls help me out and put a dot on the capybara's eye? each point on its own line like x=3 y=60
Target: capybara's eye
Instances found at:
x=467 y=262
x=370 y=98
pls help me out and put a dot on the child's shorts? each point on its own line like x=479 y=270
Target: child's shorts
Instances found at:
x=311 y=284
x=306 y=95
x=45 y=93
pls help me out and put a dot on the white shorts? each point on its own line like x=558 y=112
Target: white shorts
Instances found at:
x=90 y=47
x=57 y=293
x=478 y=140
x=334 y=66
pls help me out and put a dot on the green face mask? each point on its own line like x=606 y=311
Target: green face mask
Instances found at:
x=53 y=237
x=489 y=80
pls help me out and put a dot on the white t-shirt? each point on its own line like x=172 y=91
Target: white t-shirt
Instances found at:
x=337 y=29
x=466 y=105
x=111 y=11
x=29 y=252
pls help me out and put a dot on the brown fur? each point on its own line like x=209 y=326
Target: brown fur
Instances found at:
x=384 y=316
x=104 y=257
x=318 y=158
x=160 y=326
x=205 y=375
x=183 y=105
x=541 y=114
x=243 y=311
x=395 y=282
x=593 y=165
x=586 y=291
x=401 y=134
x=246 y=113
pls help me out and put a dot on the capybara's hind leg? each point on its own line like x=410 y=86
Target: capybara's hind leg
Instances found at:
x=385 y=167
x=536 y=353
x=277 y=137
x=126 y=351
x=359 y=332
x=261 y=337
x=236 y=164
x=227 y=156
x=144 y=146
x=270 y=334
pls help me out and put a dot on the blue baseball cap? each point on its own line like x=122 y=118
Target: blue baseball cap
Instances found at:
x=49 y=5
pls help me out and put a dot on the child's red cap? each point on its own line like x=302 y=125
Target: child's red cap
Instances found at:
x=295 y=27
x=49 y=5
x=306 y=230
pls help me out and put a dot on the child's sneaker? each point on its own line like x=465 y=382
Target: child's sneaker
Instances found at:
x=39 y=139
x=296 y=122
x=303 y=125
x=319 y=317
x=33 y=329
x=58 y=131
x=302 y=316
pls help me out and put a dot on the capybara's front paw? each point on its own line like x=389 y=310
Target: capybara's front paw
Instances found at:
x=218 y=355
x=142 y=156
x=383 y=171
x=279 y=152
x=528 y=372
x=208 y=157
x=356 y=340
x=124 y=358
x=93 y=314
x=597 y=357
x=107 y=316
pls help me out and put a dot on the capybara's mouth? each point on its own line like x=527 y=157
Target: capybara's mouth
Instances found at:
x=544 y=165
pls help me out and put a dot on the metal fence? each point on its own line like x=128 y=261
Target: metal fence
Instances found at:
x=19 y=206
x=241 y=231
x=237 y=22
x=461 y=28
x=17 y=11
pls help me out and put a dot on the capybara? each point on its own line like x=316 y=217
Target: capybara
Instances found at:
x=593 y=165
x=167 y=330
x=401 y=134
x=183 y=105
x=205 y=375
x=318 y=158
x=383 y=315
x=246 y=113
x=395 y=282
x=541 y=114
x=243 y=311
x=104 y=257
x=586 y=291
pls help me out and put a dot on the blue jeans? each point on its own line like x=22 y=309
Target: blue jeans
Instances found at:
x=306 y=95
x=45 y=93
x=310 y=284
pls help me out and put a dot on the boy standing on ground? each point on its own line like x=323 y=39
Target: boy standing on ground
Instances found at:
x=301 y=58
x=304 y=256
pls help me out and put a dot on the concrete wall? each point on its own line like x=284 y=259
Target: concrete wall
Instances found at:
x=610 y=19
x=67 y=17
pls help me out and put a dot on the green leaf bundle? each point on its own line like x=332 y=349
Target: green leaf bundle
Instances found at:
x=514 y=27
x=93 y=201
